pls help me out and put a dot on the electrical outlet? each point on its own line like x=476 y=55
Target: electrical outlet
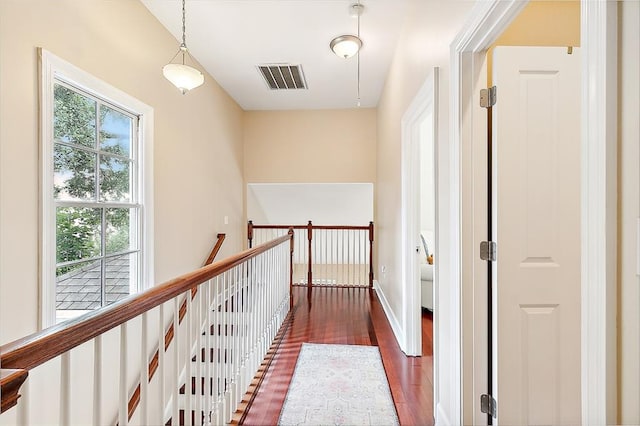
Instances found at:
x=226 y=220
x=383 y=269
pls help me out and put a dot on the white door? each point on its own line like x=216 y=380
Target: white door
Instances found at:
x=536 y=123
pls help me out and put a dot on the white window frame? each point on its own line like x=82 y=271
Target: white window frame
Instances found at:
x=53 y=68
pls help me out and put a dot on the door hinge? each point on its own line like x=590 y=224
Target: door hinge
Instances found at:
x=488 y=97
x=488 y=251
x=488 y=405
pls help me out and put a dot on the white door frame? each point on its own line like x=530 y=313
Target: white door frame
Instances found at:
x=425 y=102
x=598 y=204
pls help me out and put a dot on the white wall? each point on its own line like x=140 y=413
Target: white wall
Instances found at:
x=322 y=203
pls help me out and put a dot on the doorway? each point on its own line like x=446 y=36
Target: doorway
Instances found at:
x=419 y=214
x=598 y=119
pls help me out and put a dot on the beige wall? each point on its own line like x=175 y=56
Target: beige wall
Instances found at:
x=544 y=23
x=316 y=146
x=424 y=44
x=629 y=212
x=197 y=146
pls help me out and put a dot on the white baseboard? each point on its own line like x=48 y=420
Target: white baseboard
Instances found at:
x=441 y=417
x=393 y=321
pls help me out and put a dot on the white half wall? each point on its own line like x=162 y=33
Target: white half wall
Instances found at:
x=298 y=203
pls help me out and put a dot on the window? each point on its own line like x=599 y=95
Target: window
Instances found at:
x=95 y=247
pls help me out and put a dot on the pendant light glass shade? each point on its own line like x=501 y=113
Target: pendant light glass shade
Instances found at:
x=183 y=76
x=345 y=46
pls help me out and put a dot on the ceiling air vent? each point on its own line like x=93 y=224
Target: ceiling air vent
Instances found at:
x=283 y=76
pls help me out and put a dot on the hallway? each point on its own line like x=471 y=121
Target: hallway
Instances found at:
x=348 y=316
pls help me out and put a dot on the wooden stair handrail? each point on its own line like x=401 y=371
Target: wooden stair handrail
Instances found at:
x=10 y=382
x=216 y=249
x=338 y=227
x=36 y=349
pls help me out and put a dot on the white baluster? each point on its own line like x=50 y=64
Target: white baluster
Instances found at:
x=359 y=258
x=342 y=252
x=326 y=257
x=143 y=406
x=97 y=381
x=189 y=364
x=175 y=409
x=199 y=370
x=123 y=395
x=160 y=371
x=219 y=374
x=234 y=340
x=353 y=258
x=243 y=335
x=65 y=388
x=208 y=323
x=226 y=346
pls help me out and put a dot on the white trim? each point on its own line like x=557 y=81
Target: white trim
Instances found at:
x=599 y=210
x=393 y=321
x=53 y=67
x=486 y=22
x=425 y=102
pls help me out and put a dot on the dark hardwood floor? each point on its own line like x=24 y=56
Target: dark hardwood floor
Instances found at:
x=348 y=316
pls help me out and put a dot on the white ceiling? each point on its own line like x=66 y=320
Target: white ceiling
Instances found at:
x=231 y=37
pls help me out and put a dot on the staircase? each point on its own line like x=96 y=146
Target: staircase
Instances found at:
x=216 y=325
x=212 y=357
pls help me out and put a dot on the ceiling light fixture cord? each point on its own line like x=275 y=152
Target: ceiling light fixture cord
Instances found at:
x=183 y=46
x=184 y=25
x=358 y=58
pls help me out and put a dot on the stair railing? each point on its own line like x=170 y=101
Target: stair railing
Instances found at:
x=83 y=370
x=134 y=400
x=325 y=255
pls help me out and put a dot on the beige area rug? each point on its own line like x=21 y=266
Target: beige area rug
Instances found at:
x=338 y=385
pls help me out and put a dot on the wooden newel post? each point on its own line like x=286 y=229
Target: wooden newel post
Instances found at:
x=291 y=245
x=370 y=254
x=310 y=238
x=250 y=232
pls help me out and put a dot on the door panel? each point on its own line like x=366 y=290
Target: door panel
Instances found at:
x=536 y=123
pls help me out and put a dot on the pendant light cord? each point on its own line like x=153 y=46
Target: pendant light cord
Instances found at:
x=358 y=58
x=184 y=25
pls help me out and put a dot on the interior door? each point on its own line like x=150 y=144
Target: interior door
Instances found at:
x=536 y=224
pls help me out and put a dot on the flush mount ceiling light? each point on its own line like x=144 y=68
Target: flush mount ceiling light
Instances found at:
x=181 y=75
x=346 y=46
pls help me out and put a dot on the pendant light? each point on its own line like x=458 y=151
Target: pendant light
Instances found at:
x=346 y=46
x=181 y=75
